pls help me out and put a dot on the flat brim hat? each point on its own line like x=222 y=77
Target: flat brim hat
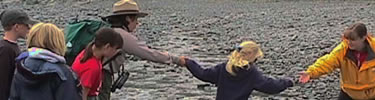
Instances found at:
x=126 y=7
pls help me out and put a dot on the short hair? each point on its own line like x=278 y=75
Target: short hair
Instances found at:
x=47 y=36
x=119 y=21
x=358 y=28
x=103 y=37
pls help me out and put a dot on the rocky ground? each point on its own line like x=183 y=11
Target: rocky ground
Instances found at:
x=292 y=33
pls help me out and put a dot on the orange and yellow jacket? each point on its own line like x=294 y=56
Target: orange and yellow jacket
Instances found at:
x=357 y=82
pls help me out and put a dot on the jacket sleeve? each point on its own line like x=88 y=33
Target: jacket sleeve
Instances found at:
x=269 y=85
x=67 y=89
x=14 y=92
x=325 y=64
x=208 y=75
x=138 y=48
x=67 y=92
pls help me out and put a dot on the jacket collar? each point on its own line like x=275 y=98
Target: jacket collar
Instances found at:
x=39 y=53
x=370 y=48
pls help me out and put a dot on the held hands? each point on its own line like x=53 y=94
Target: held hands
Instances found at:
x=304 y=77
x=179 y=60
x=182 y=60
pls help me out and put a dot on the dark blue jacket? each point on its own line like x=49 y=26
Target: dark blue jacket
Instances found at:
x=237 y=87
x=39 y=79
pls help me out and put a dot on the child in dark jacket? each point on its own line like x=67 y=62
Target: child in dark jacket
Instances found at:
x=239 y=76
x=42 y=73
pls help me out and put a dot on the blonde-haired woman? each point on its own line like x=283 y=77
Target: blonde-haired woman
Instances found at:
x=41 y=71
x=239 y=76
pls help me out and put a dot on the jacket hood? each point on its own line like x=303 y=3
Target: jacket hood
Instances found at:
x=39 y=53
x=39 y=64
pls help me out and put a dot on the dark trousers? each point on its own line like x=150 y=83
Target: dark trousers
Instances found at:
x=344 y=96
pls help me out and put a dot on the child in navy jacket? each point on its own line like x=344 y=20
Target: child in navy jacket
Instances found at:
x=239 y=76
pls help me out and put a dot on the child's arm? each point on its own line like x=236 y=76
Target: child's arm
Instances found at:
x=207 y=75
x=85 y=93
x=269 y=85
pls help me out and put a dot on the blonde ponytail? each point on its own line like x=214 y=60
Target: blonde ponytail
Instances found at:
x=241 y=57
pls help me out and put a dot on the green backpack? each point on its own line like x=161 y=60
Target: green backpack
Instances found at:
x=78 y=34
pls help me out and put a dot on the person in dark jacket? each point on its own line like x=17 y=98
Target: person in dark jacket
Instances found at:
x=41 y=71
x=238 y=77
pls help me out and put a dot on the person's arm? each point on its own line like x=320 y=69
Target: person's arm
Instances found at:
x=89 y=77
x=7 y=66
x=324 y=65
x=269 y=85
x=14 y=92
x=67 y=89
x=207 y=74
x=138 y=48
x=7 y=61
x=5 y=55
x=85 y=93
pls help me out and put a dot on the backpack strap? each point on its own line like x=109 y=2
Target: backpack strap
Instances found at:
x=110 y=64
x=111 y=71
x=110 y=60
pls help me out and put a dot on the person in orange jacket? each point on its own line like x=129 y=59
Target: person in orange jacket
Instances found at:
x=355 y=57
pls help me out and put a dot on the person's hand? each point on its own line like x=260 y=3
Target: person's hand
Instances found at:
x=292 y=80
x=179 y=60
x=304 y=77
x=182 y=60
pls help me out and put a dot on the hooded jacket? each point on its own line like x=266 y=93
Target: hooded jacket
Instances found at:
x=43 y=75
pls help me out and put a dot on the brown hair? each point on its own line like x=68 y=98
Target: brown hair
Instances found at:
x=120 y=21
x=102 y=37
x=358 y=28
